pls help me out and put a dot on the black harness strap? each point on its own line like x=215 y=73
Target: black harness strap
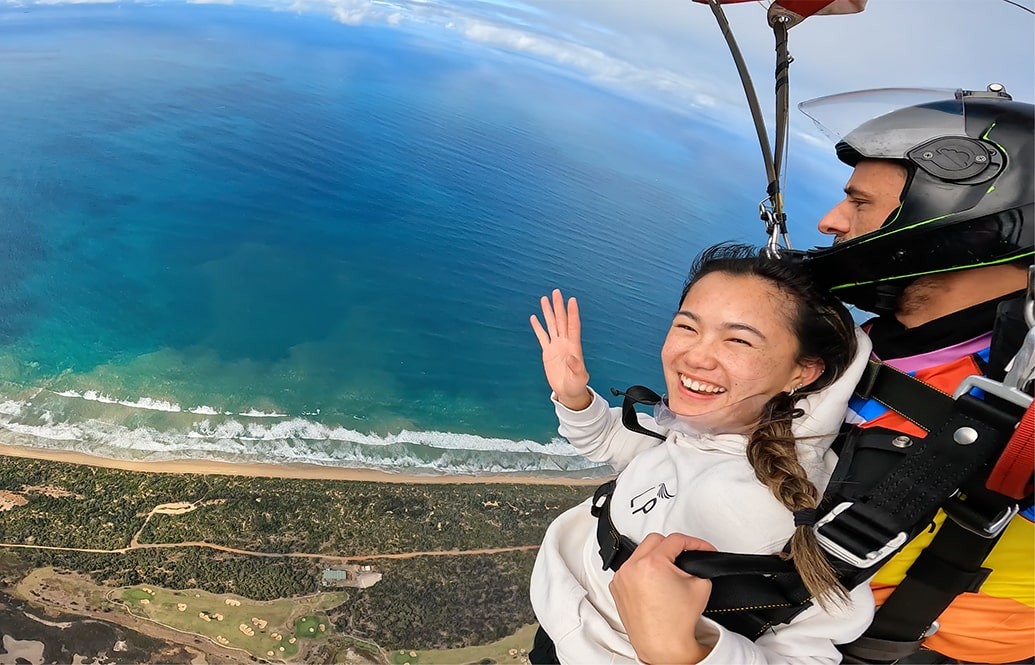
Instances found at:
x=750 y=592
x=632 y=396
x=870 y=529
x=921 y=404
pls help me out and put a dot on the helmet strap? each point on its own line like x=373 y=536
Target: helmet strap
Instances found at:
x=886 y=298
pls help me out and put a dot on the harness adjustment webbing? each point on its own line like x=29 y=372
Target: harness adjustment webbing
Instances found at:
x=923 y=405
x=867 y=650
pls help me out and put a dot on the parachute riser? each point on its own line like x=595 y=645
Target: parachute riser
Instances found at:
x=771 y=209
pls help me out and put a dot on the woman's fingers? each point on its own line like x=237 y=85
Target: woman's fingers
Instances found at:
x=560 y=321
x=540 y=332
x=560 y=315
x=574 y=323
x=548 y=317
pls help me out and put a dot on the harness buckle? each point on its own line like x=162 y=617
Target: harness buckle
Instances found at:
x=974 y=522
x=854 y=532
x=1006 y=392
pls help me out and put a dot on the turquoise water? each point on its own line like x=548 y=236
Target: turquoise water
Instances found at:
x=242 y=234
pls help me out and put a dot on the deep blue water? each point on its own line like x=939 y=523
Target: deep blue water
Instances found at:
x=246 y=234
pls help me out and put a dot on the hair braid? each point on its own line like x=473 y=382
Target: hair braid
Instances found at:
x=825 y=332
x=772 y=455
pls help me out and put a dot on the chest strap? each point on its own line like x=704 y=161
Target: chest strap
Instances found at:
x=923 y=405
x=750 y=592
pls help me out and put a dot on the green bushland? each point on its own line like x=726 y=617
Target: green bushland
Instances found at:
x=442 y=602
x=425 y=602
x=105 y=507
x=189 y=568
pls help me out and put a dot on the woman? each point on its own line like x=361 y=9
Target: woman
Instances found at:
x=759 y=365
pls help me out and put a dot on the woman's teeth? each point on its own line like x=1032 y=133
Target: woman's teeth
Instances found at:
x=699 y=387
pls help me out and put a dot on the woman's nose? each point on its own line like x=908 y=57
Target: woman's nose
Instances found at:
x=700 y=353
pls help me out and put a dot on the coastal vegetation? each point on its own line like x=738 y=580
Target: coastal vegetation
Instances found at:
x=455 y=558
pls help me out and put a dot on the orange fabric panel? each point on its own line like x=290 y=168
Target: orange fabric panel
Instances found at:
x=978 y=628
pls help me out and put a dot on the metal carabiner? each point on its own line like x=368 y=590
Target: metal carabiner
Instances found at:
x=773 y=228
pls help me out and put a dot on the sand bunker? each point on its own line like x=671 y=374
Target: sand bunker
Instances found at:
x=178 y=508
x=9 y=500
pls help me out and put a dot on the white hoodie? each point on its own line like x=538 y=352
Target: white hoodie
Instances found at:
x=702 y=486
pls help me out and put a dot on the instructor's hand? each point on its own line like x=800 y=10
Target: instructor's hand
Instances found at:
x=659 y=604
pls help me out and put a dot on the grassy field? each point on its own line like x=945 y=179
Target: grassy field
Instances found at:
x=511 y=650
x=279 y=629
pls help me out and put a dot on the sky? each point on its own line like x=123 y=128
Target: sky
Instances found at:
x=673 y=51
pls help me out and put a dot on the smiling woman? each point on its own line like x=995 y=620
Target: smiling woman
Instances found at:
x=759 y=364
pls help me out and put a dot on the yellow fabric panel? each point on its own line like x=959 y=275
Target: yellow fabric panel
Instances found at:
x=1012 y=562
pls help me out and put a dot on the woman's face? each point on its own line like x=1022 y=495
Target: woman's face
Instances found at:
x=731 y=340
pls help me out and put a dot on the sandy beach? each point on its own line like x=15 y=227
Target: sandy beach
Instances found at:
x=301 y=471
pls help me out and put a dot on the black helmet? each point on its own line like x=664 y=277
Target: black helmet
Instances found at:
x=967 y=202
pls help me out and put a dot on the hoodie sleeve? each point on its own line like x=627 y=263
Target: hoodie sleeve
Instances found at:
x=597 y=433
x=810 y=638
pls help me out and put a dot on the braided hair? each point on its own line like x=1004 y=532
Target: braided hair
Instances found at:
x=825 y=331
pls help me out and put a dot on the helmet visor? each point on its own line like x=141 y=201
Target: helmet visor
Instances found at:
x=860 y=120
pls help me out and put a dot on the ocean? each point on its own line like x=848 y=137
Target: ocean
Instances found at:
x=245 y=234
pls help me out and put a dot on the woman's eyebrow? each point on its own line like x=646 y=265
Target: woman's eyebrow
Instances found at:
x=729 y=326
x=745 y=327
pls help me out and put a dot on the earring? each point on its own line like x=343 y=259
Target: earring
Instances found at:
x=794 y=389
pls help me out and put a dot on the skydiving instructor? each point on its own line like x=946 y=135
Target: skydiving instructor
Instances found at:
x=935 y=235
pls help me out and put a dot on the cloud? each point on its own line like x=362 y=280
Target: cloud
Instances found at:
x=673 y=53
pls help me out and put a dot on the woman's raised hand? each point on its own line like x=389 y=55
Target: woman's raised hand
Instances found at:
x=561 y=340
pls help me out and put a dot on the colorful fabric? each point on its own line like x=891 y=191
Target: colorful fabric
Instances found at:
x=997 y=624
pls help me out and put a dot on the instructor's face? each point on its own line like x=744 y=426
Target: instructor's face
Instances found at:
x=871 y=195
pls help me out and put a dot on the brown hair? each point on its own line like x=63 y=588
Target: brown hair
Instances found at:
x=825 y=332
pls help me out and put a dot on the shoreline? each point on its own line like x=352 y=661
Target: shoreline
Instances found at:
x=273 y=470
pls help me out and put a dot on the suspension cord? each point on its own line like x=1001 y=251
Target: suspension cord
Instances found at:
x=780 y=24
x=749 y=90
x=771 y=208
